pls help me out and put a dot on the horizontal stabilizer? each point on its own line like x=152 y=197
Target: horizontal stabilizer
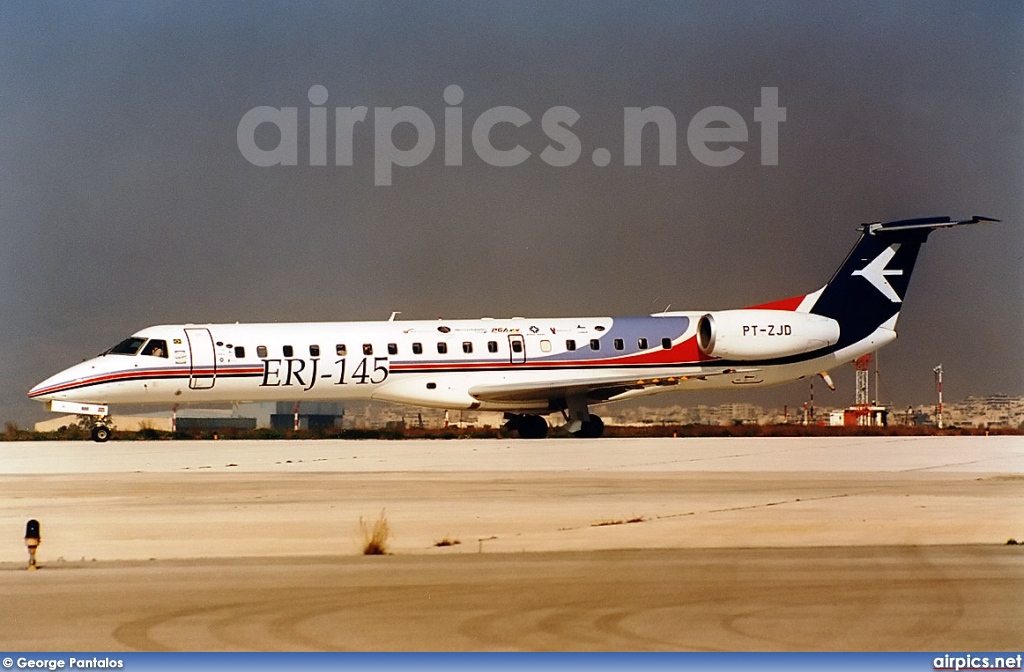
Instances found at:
x=928 y=223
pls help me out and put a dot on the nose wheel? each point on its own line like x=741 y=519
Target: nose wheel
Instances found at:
x=100 y=433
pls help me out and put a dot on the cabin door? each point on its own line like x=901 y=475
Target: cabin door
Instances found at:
x=517 y=349
x=203 y=359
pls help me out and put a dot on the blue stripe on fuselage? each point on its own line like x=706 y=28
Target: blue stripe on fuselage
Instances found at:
x=629 y=329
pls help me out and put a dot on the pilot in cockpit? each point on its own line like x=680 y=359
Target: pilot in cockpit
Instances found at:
x=155 y=348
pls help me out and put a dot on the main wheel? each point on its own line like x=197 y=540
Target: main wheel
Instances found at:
x=591 y=429
x=100 y=433
x=532 y=427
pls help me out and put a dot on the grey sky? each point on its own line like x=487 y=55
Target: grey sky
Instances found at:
x=125 y=202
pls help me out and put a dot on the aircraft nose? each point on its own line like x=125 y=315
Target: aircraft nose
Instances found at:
x=44 y=390
x=49 y=388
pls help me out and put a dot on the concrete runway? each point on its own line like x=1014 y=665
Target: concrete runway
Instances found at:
x=640 y=544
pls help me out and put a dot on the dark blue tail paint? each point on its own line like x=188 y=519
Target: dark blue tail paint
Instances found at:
x=869 y=288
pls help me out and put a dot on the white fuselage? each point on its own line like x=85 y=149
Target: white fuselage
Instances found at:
x=515 y=365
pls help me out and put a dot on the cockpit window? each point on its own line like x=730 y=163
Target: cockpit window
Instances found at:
x=156 y=348
x=128 y=346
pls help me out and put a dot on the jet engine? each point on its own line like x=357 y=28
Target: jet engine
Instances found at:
x=763 y=334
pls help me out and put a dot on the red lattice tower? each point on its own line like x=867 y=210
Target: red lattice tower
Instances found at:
x=863 y=366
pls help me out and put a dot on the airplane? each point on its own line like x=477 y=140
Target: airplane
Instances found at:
x=525 y=368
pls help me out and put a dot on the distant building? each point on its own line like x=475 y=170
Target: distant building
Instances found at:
x=124 y=423
x=859 y=416
x=191 y=419
x=308 y=415
x=997 y=410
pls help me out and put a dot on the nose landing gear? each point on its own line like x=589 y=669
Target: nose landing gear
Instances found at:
x=100 y=433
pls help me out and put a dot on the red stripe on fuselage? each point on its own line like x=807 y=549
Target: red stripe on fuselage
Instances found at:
x=120 y=376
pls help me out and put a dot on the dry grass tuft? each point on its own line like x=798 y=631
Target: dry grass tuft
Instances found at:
x=375 y=539
x=447 y=541
x=606 y=523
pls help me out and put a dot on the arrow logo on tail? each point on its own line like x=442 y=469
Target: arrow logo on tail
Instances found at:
x=876 y=271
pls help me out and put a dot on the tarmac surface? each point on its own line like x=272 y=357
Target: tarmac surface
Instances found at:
x=880 y=543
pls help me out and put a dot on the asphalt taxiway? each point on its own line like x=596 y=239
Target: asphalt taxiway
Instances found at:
x=880 y=543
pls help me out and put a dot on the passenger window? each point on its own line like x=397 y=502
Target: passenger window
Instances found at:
x=156 y=348
x=261 y=351
x=417 y=348
x=288 y=351
x=595 y=344
x=467 y=347
x=392 y=348
x=314 y=351
x=517 y=346
x=442 y=348
x=666 y=343
x=545 y=346
x=570 y=345
x=341 y=349
x=367 y=349
x=492 y=346
x=239 y=352
x=641 y=343
x=619 y=345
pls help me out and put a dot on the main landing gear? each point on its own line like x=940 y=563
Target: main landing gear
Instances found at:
x=581 y=422
x=590 y=429
x=536 y=427
x=527 y=426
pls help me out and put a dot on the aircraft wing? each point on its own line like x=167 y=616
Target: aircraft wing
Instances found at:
x=595 y=389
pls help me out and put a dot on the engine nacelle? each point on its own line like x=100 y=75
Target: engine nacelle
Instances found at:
x=763 y=334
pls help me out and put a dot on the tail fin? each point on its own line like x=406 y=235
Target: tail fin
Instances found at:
x=868 y=289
